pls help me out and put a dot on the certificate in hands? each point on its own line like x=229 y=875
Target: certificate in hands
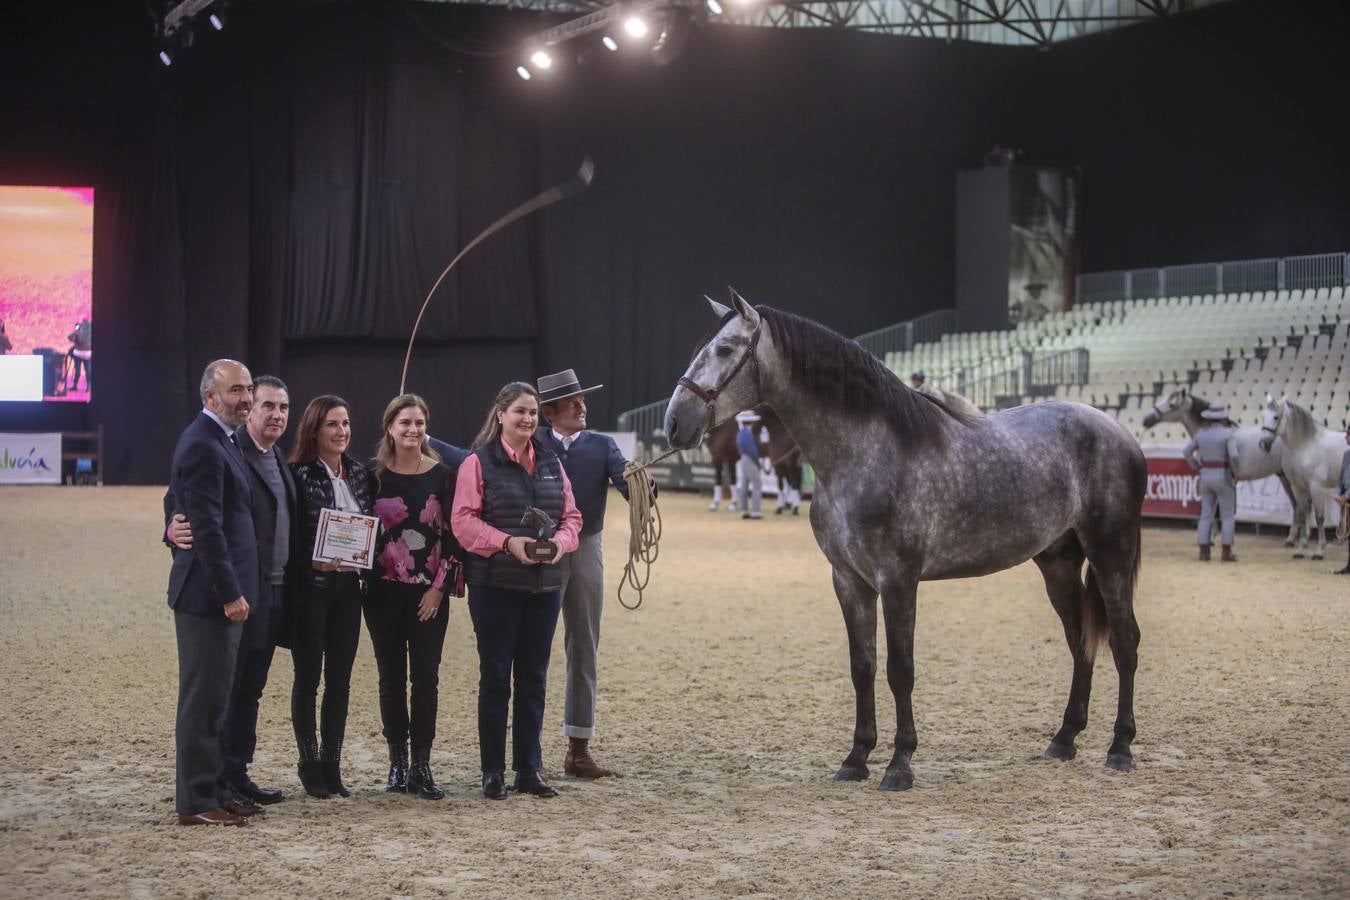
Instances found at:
x=345 y=537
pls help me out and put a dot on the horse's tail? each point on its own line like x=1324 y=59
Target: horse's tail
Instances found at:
x=1095 y=627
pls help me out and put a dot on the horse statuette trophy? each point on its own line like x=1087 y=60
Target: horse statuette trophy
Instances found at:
x=542 y=549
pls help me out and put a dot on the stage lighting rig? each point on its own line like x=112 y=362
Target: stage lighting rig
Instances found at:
x=626 y=23
x=176 y=30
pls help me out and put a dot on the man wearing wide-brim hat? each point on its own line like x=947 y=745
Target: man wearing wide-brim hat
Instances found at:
x=593 y=462
x=1213 y=451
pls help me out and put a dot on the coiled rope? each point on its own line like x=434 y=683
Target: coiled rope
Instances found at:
x=644 y=529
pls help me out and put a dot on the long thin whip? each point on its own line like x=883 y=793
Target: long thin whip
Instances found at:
x=573 y=186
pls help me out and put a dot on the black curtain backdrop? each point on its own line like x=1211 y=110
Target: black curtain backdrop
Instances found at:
x=289 y=190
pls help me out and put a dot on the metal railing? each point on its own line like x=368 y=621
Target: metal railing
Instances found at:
x=1318 y=270
x=1037 y=374
x=901 y=338
x=649 y=419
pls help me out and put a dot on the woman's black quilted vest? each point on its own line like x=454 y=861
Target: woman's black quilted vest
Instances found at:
x=508 y=490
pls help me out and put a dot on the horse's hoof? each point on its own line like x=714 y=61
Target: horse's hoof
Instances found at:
x=1317 y=556
x=1120 y=762
x=1060 y=751
x=851 y=773
x=897 y=780
x=1289 y=543
x=1298 y=556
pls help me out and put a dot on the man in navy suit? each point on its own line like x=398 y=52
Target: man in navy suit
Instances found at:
x=276 y=526
x=211 y=588
x=593 y=462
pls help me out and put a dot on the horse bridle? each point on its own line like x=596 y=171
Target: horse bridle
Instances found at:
x=709 y=396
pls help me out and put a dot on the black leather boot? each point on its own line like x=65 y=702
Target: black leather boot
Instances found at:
x=532 y=782
x=330 y=761
x=311 y=770
x=398 y=769
x=420 y=781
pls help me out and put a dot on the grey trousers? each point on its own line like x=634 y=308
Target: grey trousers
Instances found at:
x=754 y=485
x=1217 y=487
x=208 y=650
x=583 y=600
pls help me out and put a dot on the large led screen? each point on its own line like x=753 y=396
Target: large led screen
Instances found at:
x=46 y=289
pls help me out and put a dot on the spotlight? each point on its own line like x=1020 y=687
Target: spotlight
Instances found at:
x=217 y=20
x=610 y=44
x=523 y=72
x=673 y=37
x=635 y=26
x=165 y=58
x=541 y=59
x=714 y=7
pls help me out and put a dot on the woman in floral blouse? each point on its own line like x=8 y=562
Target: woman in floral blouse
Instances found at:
x=415 y=567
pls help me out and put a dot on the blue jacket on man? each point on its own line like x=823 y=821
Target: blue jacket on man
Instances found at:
x=212 y=485
x=593 y=462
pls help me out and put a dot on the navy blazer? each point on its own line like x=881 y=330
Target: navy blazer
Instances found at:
x=451 y=455
x=211 y=484
x=593 y=463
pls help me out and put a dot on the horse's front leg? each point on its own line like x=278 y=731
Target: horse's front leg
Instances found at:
x=898 y=600
x=1299 y=506
x=1319 y=508
x=859 y=604
x=1302 y=521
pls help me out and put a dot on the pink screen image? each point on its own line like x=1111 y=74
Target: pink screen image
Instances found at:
x=46 y=282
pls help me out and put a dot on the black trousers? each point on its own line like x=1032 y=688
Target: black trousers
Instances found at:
x=515 y=635
x=405 y=646
x=328 y=629
x=240 y=734
x=208 y=650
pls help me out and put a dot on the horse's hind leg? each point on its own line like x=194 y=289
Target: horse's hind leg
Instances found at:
x=898 y=601
x=1061 y=566
x=858 y=601
x=1114 y=566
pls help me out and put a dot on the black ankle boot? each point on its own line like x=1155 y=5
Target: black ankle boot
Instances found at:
x=398 y=770
x=311 y=771
x=331 y=758
x=422 y=784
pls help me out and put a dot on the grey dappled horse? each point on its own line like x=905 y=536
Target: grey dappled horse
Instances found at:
x=1311 y=461
x=909 y=491
x=1254 y=461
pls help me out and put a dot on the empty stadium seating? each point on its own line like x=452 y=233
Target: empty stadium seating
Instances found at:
x=1230 y=348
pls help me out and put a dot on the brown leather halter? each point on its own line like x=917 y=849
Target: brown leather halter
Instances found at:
x=710 y=396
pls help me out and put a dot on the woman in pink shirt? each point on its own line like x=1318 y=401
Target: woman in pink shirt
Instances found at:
x=514 y=581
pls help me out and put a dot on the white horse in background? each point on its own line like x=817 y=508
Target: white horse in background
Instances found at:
x=1312 y=459
x=1254 y=460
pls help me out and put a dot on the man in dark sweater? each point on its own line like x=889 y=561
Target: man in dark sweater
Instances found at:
x=593 y=462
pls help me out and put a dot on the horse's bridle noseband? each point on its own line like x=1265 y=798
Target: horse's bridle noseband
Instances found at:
x=709 y=396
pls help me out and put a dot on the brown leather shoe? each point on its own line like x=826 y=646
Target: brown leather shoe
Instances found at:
x=1204 y=552
x=242 y=808
x=1227 y=554
x=579 y=763
x=211 y=817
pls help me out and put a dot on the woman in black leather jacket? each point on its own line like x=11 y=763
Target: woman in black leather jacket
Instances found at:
x=327 y=623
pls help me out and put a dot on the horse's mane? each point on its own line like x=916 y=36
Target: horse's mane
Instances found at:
x=1302 y=425
x=1198 y=404
x=835 y=372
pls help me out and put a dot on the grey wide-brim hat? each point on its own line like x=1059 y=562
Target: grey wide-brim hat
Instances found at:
x=560 y=386
x=1216 y=413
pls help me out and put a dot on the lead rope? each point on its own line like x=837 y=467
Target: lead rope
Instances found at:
x=644 y=529
x=644 y=526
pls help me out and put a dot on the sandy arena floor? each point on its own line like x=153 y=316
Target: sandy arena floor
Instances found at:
x=726 y=703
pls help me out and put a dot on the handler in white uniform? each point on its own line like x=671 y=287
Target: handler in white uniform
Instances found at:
x=1213 y=451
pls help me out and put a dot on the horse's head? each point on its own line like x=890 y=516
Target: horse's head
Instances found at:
x=722 y=379
x=1169 y=409
x=1272 y=421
